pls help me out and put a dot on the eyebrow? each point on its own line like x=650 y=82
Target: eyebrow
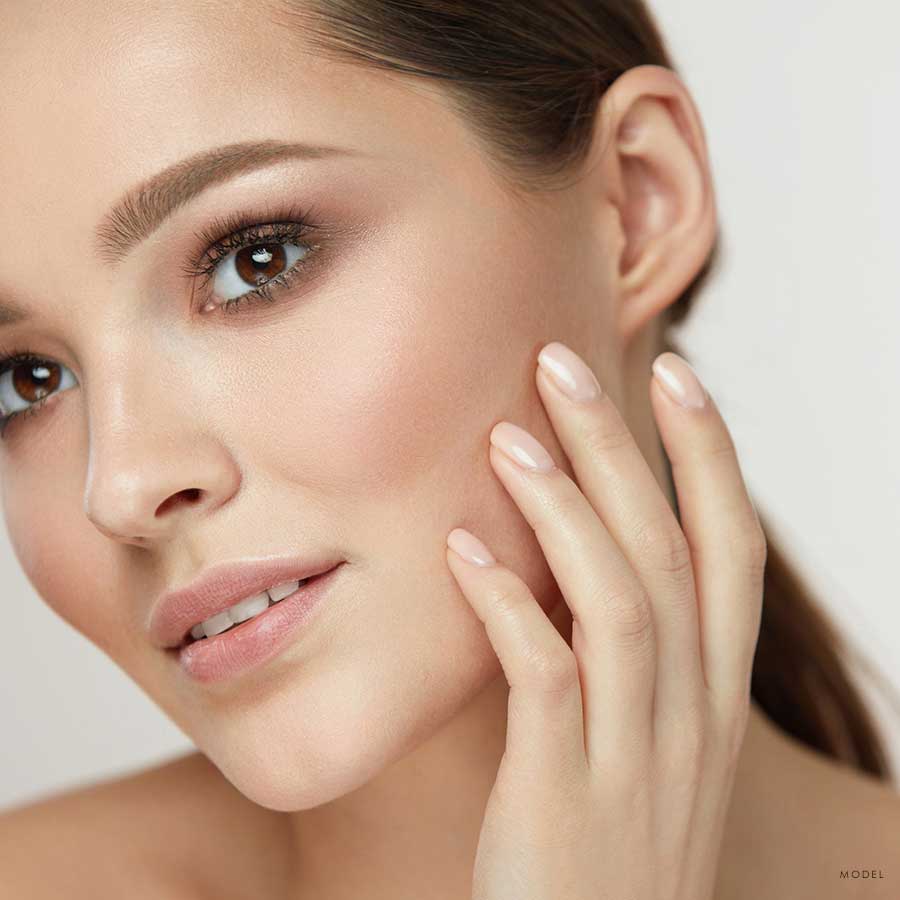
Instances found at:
x=143 y=208
x=140 y=211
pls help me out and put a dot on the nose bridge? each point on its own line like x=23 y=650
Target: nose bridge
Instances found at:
x=151 y=461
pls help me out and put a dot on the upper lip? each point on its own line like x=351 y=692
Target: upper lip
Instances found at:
x=219 y=587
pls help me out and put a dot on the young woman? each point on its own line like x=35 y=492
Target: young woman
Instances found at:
x=379 y=293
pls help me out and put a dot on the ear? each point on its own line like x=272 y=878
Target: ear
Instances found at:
x=657 y=184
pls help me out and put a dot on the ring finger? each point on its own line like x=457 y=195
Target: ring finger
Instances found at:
x=615 y=477
x=613 y=635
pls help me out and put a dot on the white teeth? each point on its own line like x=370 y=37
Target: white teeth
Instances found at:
x=244 y=609
x=217 y=624
x=279 y=592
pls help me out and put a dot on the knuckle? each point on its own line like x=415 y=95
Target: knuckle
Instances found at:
x=748 y=546
x=685 y=757
x=601 y=436
x=722 y=445
x=665 y=548
x=553 y=671
x=629 y=611
x=562 y=501
x=624 y=779
x=757 y=545
x=507 y=595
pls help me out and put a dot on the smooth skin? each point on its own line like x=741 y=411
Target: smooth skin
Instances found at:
x=354 y=415
x=621 y=749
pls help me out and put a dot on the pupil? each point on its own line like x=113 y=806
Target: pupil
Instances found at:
x=25 y=376
x=260 y=263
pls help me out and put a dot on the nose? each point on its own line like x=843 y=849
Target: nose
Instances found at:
x=147 y=497
x=156 y=464
x=149 y=483
x=150 y=498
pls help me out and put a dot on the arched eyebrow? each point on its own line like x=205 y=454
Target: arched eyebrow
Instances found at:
x=142 y=209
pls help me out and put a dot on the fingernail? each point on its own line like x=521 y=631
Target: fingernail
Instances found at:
x=521 y=447
x=469 y=547
x=569 y=371
x=679 y=380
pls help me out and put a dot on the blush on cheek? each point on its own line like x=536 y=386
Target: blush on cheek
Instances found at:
x=386 y=413
x=66 y=561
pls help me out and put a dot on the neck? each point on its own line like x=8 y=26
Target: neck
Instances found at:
x=418 y=821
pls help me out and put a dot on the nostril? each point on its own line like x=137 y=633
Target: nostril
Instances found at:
x=188 y=495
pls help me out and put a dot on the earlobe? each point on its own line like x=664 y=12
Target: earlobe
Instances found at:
x=663 y=192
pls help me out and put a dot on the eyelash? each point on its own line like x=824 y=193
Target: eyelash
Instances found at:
x=12 y=360
x=240 y=230
x=235 y=231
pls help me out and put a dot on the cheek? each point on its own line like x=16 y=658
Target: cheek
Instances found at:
x=350 y=715
x=404 y=374
x=67 y=561
x=59 y=563
x=406 y=377
x=397 y=416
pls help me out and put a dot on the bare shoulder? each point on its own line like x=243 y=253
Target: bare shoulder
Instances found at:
x=858 y=823
x=82 y=841
x=868 y=868
x=165 y=831
x=805 y=825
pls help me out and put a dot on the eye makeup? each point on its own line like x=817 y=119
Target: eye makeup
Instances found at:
x=216 y=242
x=241 y=231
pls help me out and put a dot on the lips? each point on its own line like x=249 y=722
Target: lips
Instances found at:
x=220 y=587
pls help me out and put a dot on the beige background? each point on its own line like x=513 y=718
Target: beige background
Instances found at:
x=797 y=339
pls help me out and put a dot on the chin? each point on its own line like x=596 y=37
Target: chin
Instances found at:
x=332 y=734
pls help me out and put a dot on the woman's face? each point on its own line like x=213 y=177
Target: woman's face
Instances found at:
x=347 y=419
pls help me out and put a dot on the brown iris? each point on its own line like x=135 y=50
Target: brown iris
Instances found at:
x=260 y=263
x=34 y=381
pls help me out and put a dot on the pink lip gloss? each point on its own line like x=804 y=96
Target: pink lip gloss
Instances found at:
x=257 y=640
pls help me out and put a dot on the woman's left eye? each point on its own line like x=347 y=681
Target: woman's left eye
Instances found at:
x=250 y=264
x=253 y=260
x=253 y=271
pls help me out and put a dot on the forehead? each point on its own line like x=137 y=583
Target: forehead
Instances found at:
x=133 y=78
x=98 y=96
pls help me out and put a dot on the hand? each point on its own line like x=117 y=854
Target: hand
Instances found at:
x=621 y=750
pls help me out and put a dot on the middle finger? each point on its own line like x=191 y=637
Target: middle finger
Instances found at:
x=615 y=477
x=612 y=630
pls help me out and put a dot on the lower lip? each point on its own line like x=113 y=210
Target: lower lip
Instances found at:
x=257 y=640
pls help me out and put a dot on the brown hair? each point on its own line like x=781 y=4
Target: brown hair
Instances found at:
x=528 y=77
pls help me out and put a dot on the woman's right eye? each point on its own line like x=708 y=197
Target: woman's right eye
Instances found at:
x=29 y=380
